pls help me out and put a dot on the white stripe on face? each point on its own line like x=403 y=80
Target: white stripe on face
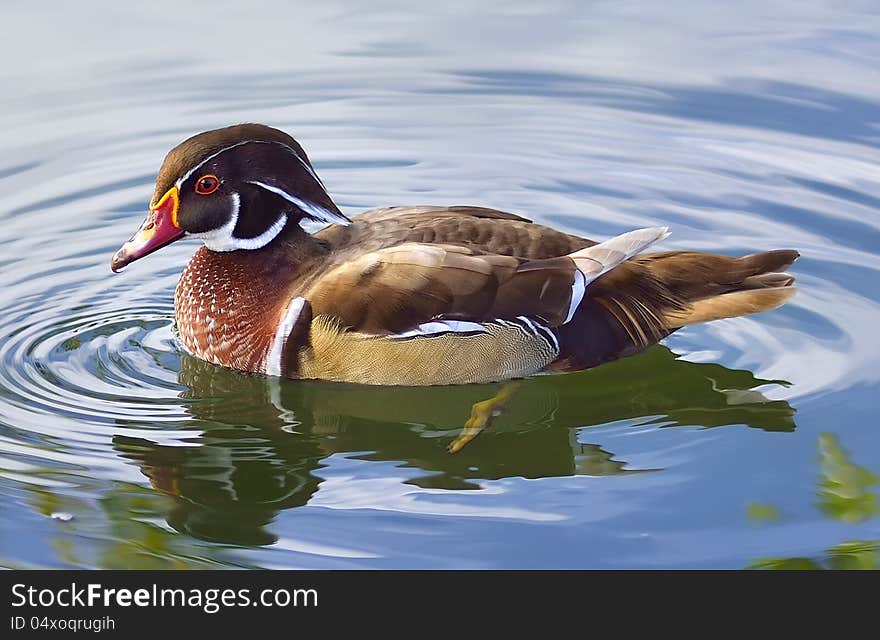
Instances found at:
x=186 y=175
x=315 y=211
x=305 y=164
x=221 y=238
x=288 y=322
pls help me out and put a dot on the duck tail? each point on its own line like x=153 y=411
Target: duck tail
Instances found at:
x=644 y=299
x=724 y=287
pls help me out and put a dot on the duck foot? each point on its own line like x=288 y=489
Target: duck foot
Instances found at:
x=483 y=414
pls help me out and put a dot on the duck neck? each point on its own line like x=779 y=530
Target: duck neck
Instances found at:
x=297 y=245
x=228 y=303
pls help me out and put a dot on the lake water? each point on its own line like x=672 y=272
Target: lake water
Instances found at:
x=751 y=442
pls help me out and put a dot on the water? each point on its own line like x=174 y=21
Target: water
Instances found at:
x=747 y=442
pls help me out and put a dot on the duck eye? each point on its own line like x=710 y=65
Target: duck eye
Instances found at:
x=207 y=185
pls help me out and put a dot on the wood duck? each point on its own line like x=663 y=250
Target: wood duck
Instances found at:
x=412 y=295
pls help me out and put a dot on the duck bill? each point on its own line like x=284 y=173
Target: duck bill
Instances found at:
x=159 y=229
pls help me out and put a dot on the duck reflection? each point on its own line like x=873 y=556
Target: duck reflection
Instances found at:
x=262 y=441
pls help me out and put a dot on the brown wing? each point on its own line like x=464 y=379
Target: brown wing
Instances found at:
x=385 y=213
x=395 y=289
x=600 y=300
x=484 y=230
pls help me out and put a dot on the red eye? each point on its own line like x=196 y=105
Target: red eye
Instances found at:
x=207 y=185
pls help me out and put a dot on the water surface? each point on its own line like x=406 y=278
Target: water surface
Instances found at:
x=750 y=442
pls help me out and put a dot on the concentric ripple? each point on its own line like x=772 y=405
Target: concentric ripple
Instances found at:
x=108 y=367
x=79 y=367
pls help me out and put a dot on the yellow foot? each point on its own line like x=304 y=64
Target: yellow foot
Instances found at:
x=482 y=415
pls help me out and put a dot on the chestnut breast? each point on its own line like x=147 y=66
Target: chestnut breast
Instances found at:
x=228 y=306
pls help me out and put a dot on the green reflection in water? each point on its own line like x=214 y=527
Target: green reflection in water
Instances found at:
x=843 y=486
x=855 y=554
x=262 y=441
x=843 y=494
x=119 y=530
x=758 y=512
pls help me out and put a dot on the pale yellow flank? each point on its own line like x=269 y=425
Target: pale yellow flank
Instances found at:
x=344 y=356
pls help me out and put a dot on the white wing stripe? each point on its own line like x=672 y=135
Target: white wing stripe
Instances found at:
x=441 y=326
x=437 y=327
x=599 y=259
x=578 y=287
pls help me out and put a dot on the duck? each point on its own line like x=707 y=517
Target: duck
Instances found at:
x=412 y=295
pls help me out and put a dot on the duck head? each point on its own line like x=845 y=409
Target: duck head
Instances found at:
x=234 y=188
